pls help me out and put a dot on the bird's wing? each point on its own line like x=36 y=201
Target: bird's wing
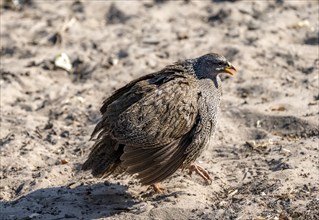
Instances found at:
x=151 y=111
x=151 y=116
x=156 y=164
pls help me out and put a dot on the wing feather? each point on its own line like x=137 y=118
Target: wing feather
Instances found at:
x=152 y=111
x=162 y=116
x=153 y=118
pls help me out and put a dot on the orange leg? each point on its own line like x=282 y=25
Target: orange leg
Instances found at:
x=200 y=171
x=158 y=188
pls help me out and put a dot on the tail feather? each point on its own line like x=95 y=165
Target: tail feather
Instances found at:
x=104 y=157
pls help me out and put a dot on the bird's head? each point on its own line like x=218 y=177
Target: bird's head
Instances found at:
x=212 y=64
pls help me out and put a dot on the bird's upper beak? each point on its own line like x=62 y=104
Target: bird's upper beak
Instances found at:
x=229 y=68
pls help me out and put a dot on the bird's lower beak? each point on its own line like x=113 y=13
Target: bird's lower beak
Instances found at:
x=228 y=70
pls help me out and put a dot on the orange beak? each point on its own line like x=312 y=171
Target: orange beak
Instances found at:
x=228 y=69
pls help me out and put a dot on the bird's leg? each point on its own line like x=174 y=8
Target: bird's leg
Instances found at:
x=200 y=171
x=158 y=188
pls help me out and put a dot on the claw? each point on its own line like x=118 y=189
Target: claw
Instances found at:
x=158 y=188
x=200 y=171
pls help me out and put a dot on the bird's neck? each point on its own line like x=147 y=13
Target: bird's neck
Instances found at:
x=210 y=91
x=213 y=85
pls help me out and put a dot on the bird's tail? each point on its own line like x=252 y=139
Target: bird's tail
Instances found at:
x=104 y=158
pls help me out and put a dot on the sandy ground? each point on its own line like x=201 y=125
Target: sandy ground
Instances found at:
x=264 y=158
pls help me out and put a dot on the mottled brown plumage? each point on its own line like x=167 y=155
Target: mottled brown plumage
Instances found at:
x=160 y=122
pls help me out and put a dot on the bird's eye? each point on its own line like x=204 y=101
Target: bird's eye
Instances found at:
x=220 y=63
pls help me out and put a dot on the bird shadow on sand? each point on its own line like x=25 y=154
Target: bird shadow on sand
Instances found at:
x=84 y=201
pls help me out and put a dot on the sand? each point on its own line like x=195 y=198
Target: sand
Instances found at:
x=264 y=158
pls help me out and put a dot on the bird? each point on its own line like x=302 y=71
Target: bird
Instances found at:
x=160 y=122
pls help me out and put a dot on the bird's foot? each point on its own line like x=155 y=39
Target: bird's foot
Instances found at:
x=158 y=188
x=200 y=171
